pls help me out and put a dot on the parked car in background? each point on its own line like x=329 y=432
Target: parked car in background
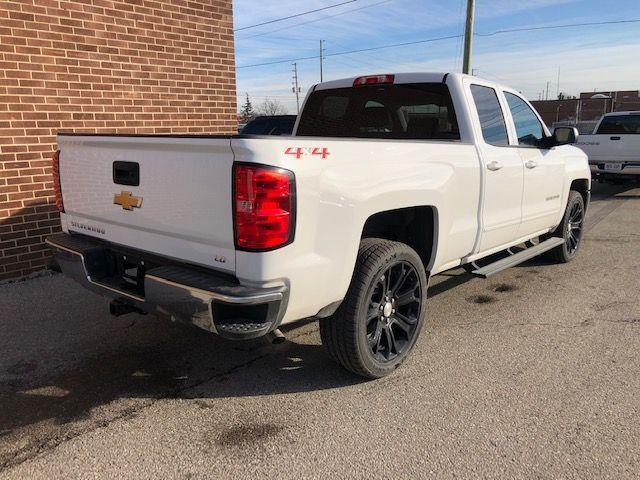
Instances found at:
x=614 y=146
x=388 y=180
x=270 y=125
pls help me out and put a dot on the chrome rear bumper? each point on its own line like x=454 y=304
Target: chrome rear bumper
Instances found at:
x=207 y=300
x=628 y=168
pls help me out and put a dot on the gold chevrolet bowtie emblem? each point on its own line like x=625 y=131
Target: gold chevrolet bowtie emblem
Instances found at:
x=127 y=200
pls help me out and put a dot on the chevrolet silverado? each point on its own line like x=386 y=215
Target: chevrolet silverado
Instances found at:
x=386 y=181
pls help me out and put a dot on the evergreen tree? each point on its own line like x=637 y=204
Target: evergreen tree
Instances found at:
x=247 y=112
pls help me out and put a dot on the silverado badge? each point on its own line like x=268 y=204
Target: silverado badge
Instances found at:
x=127 y=200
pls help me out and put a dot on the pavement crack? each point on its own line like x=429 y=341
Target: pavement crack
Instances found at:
x=611 y=206
x=610 y=305
x=33 y=450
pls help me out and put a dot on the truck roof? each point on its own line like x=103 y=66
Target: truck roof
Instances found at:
x=629 y=112
x=399 y=78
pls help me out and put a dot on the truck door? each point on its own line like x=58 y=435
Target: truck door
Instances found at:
x=501 y=206
x=543 y=168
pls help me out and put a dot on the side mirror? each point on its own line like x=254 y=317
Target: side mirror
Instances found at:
x=565 y=136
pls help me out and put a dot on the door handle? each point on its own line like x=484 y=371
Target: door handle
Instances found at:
x=531 y=164
x=126 y=173
x=493 y=166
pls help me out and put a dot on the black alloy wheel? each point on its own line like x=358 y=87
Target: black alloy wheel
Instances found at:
x=574 y=227
x=571 y=229
x=380 y=318
x=394 y=309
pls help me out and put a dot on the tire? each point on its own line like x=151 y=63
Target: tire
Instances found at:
x=369 y=335
x=574 y=216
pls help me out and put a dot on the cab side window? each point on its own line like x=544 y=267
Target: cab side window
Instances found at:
x=494 y=130
x=528 y=128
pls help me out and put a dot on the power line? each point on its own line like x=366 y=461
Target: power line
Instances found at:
x=437 y=39
x=327 y=17
x=295 y=15
x=550 y=27
x=275 y=62
x=404 y=44
x=267 y=96
x=486 y=74
x=376 y=60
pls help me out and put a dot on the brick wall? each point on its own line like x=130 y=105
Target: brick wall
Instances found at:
x=129 y=66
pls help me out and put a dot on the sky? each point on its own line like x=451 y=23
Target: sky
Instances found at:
x=603 y=57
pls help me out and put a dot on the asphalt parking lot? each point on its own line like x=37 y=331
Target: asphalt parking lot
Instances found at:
x=531 y=374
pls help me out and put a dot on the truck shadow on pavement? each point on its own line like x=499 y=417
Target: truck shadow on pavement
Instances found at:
x=156 y=359
x=75 y=359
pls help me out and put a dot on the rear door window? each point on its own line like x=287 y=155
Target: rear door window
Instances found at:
x=620 y=125
x=494 y=129
x=405 y=111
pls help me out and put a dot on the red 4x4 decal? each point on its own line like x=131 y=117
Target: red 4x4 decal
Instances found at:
x=299 y=152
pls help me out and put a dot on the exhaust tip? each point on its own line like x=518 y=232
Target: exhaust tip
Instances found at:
x=276 y=337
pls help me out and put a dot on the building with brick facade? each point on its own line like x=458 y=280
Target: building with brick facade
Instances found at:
x=105 y=66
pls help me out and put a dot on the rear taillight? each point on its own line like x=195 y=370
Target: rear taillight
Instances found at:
x=264 y=207
x=57 y=189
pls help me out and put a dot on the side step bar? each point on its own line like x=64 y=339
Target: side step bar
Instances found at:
x=518 y=258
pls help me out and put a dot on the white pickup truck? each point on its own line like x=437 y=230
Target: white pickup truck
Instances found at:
x=387 y=180
x=614 y=147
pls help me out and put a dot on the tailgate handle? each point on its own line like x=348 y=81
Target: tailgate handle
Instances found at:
x=615 y=138
x=126 y=173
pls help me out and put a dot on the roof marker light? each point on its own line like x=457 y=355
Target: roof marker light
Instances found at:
x=373 y=80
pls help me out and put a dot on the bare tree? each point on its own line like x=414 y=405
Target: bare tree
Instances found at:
x=271 y=107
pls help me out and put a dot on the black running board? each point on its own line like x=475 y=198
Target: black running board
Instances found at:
x=518 y=258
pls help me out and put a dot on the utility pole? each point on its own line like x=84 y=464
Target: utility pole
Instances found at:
x=558 y=84
x=296 y=88
x=468 y=36
x=321 y=60
x=546 y=97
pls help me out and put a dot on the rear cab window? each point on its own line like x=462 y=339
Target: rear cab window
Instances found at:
x=620 y=125
x=420 y=111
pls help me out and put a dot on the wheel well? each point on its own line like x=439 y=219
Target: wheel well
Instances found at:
x=581 y=185
x=414 y=226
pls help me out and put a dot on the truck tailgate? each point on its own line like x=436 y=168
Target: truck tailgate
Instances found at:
x=610 y=147
x=181 y=207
